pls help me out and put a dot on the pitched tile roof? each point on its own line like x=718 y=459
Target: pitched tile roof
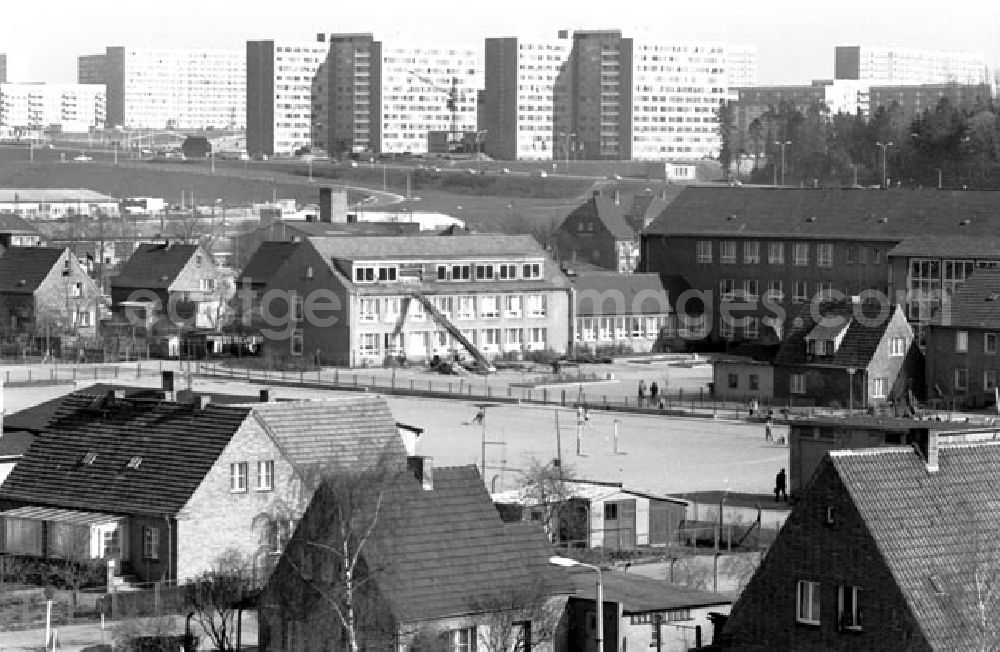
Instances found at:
x=425 y=246
x=638 y=594
x=839 y=213
x=953 y=245
x=267 y=260
x=975 y=304
x=304 y=228
x=22 y=269
x=177 y=443
x=611 y=293
x=939 y=525
x=11 y=223
x=72 y=195
x=857 y=346
x=601 y=207
x=447 y=547
x=355 y=430
x=154 y=266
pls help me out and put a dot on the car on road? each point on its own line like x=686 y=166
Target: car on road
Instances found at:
x=615 y=177
x=504 y=170
x=541 y=173
x=82 y=158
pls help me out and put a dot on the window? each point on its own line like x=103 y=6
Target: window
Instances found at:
x=751 y=330
x=538 y=338
x=531 y=270
x=490 y=339
x=507 y=272
x=513 y=338
x=489 y=307
x=848 y=611
x=238 y=477
x=364 y=274
x=368 y=310
x=734 y=381
x=897 y=346
x=610 y=511
x=876 y=256
x=76 y=289
x=961 y=379
x=297 y=307
x=878 y=387
x=824 y=289
x=727 y=287
x=727 y=251
x=775 y=291
x=466 y=307
x=297 y=347
x=989 y=380
x=512 y=306
x=751 y=252
x=443 y=305
x=704 y=251
x=754 y=383
x=797 y=384
x=387 y=273
x=776 y=253
x=150 y=543
x=535 y=305
x=961 y=341
x=801 y=291
x=801 y=253
x=442 y=271
x=460 y=272
x=849 y=251
x=484 y=272
x=265 y=475
x=751 y=289
x=369 y=344
x=824 y=254
x=807 y=602
x=726 y=330
x=462 y=640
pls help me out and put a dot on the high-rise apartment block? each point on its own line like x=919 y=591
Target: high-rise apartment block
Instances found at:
x=527 y=98
x=286 y=96
x=741 y=65
x=387 y=97
x=892 y=65
x=91 y=69
x=167 y=88
x=912 y=100
x=62 y=107
x=625 y=98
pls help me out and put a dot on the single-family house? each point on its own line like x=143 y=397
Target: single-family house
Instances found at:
x=166 y=287
x=15 y=231
x=641 y=613
x=742 y=378
x=164 y=487
x=963 y=365
x=600 y=515
x=890 y=548
x=439 y=563
x=848 y=354
x=45 y=295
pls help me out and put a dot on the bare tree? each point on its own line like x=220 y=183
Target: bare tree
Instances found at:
x=545 y=489
x=217 y=596
x=514 y=620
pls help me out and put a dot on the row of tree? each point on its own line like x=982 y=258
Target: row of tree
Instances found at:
x=944 y=146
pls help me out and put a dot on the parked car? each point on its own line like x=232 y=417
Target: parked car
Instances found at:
x=82 y=158
x=615 y=177
x=541 y=173
x=504 y=170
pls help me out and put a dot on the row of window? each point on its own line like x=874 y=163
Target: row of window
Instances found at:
x=610 y=329
x=515 y=306
x=808 y=605
x=962 y=342
x=860 y=254
x=879 y=386
x=239 y=476
x=490 y=340
x=753 y=381
x=962 y=380
x=455 y=272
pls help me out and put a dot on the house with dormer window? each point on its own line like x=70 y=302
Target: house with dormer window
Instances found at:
x=847 y=354
x=357 y=301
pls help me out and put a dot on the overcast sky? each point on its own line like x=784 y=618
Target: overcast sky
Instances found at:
x=795 y=39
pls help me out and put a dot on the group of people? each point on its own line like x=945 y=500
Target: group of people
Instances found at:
x=650 y=396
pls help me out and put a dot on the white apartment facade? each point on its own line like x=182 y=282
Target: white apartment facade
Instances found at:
x=888 y=65
x=176 y=88
x=676 y=91
x=527 y=99
x=64 y=107
x=416 y=81
x=286 y=96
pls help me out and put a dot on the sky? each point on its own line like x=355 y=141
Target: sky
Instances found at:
x=795 y=39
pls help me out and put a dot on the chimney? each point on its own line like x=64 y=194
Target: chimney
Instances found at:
x=167 y=385
x=201 y=401
x=422 y=468
x=266 y=395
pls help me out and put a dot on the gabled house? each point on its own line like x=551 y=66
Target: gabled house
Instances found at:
x=601 y=515
x=16 y=232
x=169 y=286
x=438 y=559
x=847 y=354
x=45 y=293
x=889 y=548
x=260 y=268
x=963 y=364
x=596 y=232
x=164 y=488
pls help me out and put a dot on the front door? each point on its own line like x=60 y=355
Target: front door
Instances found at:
x=619 y=524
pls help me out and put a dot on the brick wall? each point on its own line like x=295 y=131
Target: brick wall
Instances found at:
x=215 y=519
x=942 y=360
x=841 y=553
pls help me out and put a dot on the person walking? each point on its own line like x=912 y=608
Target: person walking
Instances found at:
x=767 y=429
x=480 y=416
x=779 y=486
x=654 y=389
x=642 y=392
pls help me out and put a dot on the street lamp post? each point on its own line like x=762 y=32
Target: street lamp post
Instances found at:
x=566 y=140
x=782 y=145
x=884 y=147
x=566 y=562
